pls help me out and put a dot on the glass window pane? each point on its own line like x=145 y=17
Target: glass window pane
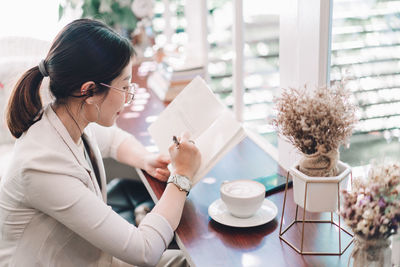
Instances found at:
x=366 y=49
x=261 y=50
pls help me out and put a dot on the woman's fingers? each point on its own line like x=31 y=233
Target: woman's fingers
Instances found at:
x=164 y=159
x=185 y=156
x=177 y=141
x=164 y=172
x=185 y=137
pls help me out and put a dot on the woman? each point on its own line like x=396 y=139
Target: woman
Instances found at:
x=52 y=197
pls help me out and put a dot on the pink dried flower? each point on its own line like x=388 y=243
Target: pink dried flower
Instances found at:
x=372 y=208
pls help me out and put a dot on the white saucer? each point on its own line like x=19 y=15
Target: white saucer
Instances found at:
x=219 y=213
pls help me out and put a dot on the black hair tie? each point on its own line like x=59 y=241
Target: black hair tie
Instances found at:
x=42 y=68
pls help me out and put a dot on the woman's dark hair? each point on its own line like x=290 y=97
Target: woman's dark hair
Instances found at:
x=85 y=50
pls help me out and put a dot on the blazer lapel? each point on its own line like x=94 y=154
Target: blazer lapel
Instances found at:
x=65 y=136
x=90 y=139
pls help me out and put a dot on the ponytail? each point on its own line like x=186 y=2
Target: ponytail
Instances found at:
x=25 y=103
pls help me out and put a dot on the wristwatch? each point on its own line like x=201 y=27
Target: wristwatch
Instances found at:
x=182 y=182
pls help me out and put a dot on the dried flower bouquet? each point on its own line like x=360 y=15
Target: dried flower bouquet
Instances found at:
x=316 y=121
x=372 y=208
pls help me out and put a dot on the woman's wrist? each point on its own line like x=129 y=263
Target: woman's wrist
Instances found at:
x=171 y=187
x=182 y=182
x=183 y=172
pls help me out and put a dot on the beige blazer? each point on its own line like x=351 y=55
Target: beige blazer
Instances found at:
x=53 y=213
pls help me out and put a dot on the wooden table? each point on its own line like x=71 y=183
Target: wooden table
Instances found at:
x=208 y=243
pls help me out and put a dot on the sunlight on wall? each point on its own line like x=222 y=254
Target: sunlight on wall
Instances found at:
x=38 y=19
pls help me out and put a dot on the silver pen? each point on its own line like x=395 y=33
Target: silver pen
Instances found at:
x=176 y=141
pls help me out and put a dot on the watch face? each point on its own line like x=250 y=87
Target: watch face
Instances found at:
x=183 y=182
x=180 y=181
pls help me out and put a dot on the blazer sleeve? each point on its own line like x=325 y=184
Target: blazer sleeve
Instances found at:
x=109 y=139
x=70 y=202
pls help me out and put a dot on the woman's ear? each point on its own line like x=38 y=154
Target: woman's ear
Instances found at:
x=88 y=88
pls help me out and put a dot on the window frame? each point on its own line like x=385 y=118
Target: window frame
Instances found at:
x=304 y=53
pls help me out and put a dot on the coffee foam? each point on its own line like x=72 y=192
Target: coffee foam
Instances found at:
x=242 y=188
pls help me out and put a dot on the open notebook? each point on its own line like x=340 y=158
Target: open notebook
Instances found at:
x=211 y=125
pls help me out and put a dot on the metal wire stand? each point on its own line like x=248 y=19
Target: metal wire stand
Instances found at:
x=303 y=221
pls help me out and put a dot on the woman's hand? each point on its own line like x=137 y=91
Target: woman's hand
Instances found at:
x=156 y=166
x=185 y=157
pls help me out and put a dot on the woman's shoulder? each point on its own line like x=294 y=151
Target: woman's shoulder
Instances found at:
x=40 y=150
x=46 y=137
x=40 y=139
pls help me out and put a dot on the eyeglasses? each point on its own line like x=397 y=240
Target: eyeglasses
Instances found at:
x=128 y=90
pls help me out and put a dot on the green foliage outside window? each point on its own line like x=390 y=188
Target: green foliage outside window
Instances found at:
x=117 y=14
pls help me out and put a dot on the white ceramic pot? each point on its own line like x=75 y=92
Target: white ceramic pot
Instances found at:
x=322 y=192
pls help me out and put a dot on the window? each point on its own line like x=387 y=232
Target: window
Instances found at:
x=366 y=47
x=261 y=52
x=261 y=56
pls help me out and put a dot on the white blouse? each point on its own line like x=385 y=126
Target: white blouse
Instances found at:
x=53 y=213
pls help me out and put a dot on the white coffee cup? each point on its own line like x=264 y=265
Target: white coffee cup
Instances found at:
x=242 y=197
